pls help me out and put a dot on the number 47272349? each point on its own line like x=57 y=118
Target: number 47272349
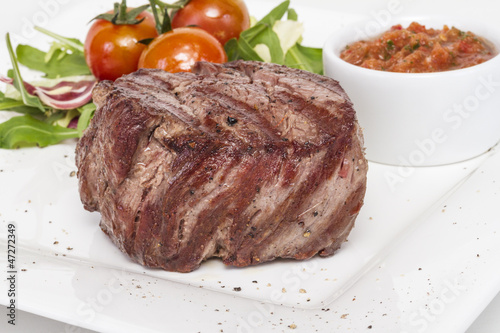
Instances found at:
x=11 y=246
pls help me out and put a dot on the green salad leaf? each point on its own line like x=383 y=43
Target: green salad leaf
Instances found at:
x=86 y=114
x=292 y=15
x=68 y=65
x=306 y=58
x=10 y=104
x=7 y=103
x=275 y=40
x=72 y=44
x=27 y=131
x=64 y=58
x=274 y=15
x=268 y=43
x=240 y=49
x=28 y=100
x=40 y=124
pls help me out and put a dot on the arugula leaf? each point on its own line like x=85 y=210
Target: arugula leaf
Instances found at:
x=40 y=124
x=64 y=58
x=7 y=103
x=292 y=15
x=271 y=39
x=231 y=48
x=25 y=131
x=260 y=33
x=66 y=118
x=275 y=14
x=240 y=49
x=266 y=23
x=11 y=104
x=72 y=44
x=54 y=117
x=306 y=58
x=69 y=65
x=29 y=100
x=86 y=114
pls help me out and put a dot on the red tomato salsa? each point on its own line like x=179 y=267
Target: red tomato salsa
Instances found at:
x=417 y=49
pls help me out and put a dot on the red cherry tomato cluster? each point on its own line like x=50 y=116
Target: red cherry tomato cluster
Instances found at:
x=199 y=31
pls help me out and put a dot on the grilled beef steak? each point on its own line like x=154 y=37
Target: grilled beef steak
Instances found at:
x=245 y=161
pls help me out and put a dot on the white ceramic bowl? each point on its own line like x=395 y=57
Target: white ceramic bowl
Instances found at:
x=421 y=119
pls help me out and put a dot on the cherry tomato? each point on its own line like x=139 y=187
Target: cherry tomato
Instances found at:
x=177 y=50
x=112 y=50
x=225 y=19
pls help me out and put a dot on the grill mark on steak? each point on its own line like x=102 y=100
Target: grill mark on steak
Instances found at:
x=251 y=126
x=176 y=183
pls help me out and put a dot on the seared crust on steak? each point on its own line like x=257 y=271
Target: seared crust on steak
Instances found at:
x=245 y=161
